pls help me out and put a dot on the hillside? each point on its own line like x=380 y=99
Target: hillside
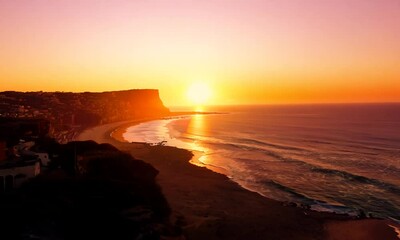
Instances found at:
x=68 y=112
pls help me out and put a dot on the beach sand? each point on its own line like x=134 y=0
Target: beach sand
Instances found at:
x=210 y=206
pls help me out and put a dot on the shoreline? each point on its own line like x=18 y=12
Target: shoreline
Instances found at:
x=214 y=207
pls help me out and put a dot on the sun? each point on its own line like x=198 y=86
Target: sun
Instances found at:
x=199 y=93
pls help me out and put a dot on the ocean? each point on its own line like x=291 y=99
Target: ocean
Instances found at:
x=341 y=158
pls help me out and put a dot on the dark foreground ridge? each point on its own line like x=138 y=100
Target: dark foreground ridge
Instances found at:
x=91 y=191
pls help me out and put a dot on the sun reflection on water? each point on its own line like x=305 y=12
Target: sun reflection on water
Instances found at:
x=197 y=129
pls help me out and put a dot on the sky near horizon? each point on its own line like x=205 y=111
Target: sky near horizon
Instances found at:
x=246 y=51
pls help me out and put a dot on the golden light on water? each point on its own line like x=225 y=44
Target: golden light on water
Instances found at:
x=196 y=128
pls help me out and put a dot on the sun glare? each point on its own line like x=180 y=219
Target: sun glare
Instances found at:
x=199 y=93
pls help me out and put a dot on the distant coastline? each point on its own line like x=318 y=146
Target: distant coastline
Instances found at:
x=70 y=113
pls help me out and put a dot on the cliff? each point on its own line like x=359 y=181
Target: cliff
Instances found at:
x=123 y=105
x=68 y=111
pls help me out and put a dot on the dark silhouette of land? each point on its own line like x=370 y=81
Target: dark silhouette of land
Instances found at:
x=91 y=191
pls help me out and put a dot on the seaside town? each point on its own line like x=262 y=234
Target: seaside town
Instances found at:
x=30 y=119
x=44 y=174
x=27 y=118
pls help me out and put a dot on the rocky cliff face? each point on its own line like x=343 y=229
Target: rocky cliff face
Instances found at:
x=68 y=111
x=87 y=107
x=124 y=105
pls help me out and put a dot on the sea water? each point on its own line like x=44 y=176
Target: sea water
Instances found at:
x=343 y=158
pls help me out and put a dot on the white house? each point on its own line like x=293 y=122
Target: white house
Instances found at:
x=14 y=173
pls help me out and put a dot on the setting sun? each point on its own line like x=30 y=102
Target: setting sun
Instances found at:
x=199 y=93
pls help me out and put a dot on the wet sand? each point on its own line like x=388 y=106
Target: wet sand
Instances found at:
x=210 y=206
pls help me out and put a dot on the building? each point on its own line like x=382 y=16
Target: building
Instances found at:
x=14 y=172
x=18 y=163
x=21 y=165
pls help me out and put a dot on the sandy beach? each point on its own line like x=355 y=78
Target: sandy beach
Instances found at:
x=209 y=206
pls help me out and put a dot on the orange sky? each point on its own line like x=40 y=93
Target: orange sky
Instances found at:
x=247 y=51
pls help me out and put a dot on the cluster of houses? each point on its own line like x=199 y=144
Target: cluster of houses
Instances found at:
x=18 y=162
